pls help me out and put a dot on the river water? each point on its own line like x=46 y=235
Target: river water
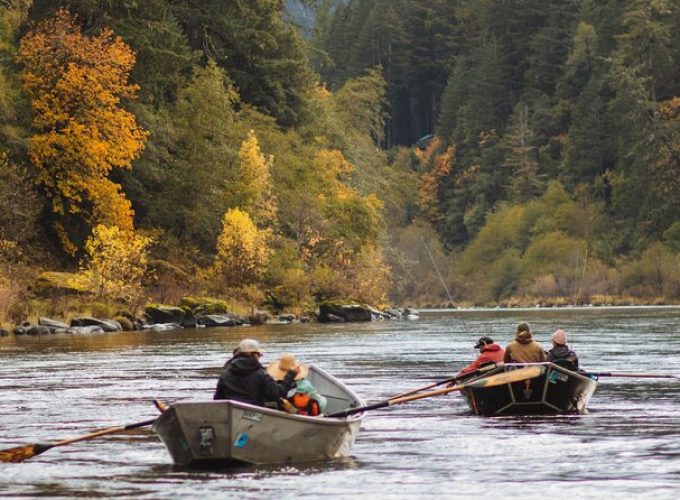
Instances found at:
x=626 y=446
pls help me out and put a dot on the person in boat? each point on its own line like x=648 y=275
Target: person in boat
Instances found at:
x=489 y=352
x=245 y=379
x=302 y=399
x=560 y=354
x=524 y=349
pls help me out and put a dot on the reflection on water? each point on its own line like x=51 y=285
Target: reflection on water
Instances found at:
x=626 y=446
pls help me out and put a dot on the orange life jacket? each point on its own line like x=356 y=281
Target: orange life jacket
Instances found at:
x=305 y=404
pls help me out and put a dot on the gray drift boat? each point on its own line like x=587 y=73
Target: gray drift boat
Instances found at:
x=234 y=433
x=556 y=391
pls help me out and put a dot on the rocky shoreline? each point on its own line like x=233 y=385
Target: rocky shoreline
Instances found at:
x=204 y=314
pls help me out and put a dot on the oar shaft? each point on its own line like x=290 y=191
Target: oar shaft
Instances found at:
x=21 y=453
x=446 y=381
x=632 y=375
x=354 y=411
x=490 y=381
x=104 y=432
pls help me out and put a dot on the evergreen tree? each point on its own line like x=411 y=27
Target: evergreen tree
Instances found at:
x=265 y=57
x=191 y=195
x=521 y=157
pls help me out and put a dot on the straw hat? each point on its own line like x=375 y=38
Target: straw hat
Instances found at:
x=280 y=367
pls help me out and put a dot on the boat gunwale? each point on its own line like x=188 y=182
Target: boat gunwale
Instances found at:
x=548 y=364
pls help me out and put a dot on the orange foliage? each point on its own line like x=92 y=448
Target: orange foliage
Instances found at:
x=75 y=84
x=428 y=191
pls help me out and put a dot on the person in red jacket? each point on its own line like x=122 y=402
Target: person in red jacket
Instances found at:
x=489 y=352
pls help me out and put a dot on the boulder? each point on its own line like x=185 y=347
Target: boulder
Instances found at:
x=107 y=325
x=202 y=306
x=162 y=327
x=377 y=314
x=259 y=317
x=87 y=330
x=394 y=312
x=212 y=320
x=332 y=318
x=164 y=314
x=38 y=330
x=189 y=320
x=411 y=314
x=55 y=326
x=348 y=312
x=52 y=283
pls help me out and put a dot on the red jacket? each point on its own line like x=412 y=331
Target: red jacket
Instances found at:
x=490 y=353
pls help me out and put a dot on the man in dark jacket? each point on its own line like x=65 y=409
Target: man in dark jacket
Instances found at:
x=245 y=379
x=560 y=354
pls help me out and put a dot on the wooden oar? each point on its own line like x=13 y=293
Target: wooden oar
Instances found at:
x=447 y=381
x=21 y=453
x=633 y=375
x=490 y=381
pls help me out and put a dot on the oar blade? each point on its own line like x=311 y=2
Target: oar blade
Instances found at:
x=508 y=377
x=161 y=405
x=21 y=453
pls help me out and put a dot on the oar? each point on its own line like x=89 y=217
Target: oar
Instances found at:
x=633 y=375
x=161 y=405
x=447 y=381
x=490 y=381
x=21 y=453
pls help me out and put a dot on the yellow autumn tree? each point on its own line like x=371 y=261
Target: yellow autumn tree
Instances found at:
x=242 y=250
x=251 y=188
x=75 y=83
x=430 y=185
x=115 y=263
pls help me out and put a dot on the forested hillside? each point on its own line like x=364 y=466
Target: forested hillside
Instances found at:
x=555 y=169
x=404 y=151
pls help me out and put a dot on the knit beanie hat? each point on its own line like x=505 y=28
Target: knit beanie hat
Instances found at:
x=560 y=337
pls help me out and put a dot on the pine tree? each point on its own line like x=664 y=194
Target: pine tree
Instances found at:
x=521 y=157
x=264 y=56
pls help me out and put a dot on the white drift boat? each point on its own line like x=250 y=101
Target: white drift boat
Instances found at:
x=234 y=433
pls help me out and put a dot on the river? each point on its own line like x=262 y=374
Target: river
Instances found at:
x=626 y=446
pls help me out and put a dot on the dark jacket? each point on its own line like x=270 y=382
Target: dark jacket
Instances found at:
x=490 y=353
x=563 y=356
x=245 y=379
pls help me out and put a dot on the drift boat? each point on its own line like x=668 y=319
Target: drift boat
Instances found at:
x=556 y=391
x=235 y=433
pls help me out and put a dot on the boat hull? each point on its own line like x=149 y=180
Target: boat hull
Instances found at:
x=556 y=391
x=234 y=433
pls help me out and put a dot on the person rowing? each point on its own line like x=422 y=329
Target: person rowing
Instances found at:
x=245 y=379
x=489 y=352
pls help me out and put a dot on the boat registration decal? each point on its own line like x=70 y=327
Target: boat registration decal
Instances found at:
x=252 y=415
x=241 y=440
